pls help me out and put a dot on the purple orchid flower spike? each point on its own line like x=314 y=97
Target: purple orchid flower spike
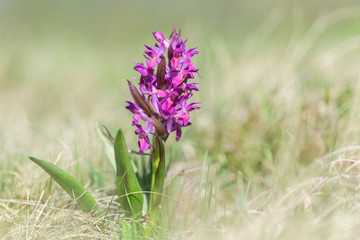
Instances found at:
x=161 y=103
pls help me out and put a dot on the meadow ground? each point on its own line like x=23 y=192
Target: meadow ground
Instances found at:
x=273 y=153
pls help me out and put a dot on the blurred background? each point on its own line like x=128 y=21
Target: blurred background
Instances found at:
x=272 y=71
x=279 y=84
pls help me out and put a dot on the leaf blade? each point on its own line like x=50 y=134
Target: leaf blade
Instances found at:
x=127 y=185
x=74 y=188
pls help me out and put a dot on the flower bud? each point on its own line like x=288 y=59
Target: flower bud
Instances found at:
x=139 y=100
x=160 y=74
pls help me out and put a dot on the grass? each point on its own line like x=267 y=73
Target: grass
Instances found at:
x=273 y=154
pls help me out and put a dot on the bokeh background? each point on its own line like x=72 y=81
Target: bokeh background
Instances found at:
x=279 y=92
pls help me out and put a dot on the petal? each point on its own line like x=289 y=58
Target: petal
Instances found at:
x=136 y=118
x=132 y=107
x=169 y=125
x=168 y=102
x=175 y=63
x=143 y=143
x=178 y=133
x=192 y=106
x=182 y=117
x=178 y=79
x=161 y=93
x=191 y=86
x=149 y=127
x=159 y=36
x=155 y=103
x=141 y=69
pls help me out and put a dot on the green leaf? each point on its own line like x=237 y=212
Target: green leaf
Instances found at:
x=69 y=184
x=127 y=185
x=157 y=188
x=128 y=230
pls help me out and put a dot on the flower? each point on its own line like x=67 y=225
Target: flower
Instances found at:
x=162 y=102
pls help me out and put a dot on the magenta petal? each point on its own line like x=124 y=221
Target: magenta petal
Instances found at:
x=169 y=125
x=155 y=103
x=161 y=93
x=183 y=117
x=175 y=63
x=178 y=133
x=136 y=117
x=192 y=106
x=149 y=127
x=141 y=69
x=161 y=103
x=169 y=101
x=159 y=36
x=177 y=80
x=143 y=143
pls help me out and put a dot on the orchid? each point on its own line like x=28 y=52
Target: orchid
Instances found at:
x=161 y=105
x=162 y=102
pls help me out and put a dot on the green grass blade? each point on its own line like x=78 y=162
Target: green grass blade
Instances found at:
x=201 y=184
x=242 y=195
x=170 y=201
x=108 y=146
x=127 y=184
x=69 y=184
x=208 y=194
x=158 y=183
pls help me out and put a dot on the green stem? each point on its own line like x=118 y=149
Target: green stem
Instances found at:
x=155 y=162
x=157 y=184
